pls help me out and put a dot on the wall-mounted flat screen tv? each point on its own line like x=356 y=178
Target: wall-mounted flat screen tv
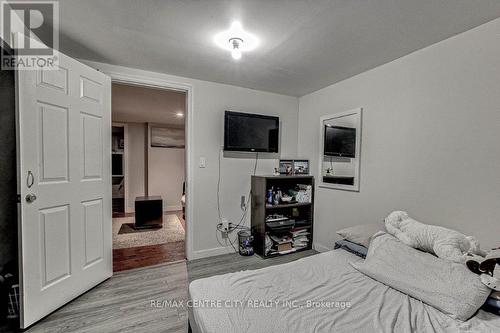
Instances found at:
x=340 y=141
x=250 y=132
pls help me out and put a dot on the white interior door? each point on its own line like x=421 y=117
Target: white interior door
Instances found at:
x=64 y=152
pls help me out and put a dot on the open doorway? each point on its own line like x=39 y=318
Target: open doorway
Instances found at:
x=149 y=173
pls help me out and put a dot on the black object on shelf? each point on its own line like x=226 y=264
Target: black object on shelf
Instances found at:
x=301 y=213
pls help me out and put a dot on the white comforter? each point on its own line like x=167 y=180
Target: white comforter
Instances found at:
x=280 y=299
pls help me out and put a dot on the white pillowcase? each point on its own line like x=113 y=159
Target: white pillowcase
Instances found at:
x=361 y=233
x=447 y=286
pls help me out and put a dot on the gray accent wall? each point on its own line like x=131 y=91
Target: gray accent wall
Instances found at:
x=8 y=186
x=430 y=139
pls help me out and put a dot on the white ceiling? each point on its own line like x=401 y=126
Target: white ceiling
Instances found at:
x=136 y=104
x=305 y=45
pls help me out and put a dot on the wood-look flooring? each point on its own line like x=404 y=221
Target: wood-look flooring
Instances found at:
x=229 y=263
x=143 y=256
x=123 y=303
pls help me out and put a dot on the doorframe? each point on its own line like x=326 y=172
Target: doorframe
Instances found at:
x=146 y=81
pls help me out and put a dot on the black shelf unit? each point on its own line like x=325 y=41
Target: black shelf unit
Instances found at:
x=261 y=209
x=118 y=169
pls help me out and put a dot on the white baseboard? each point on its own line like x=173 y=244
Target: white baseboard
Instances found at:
x=321 y=248
x=216 y=251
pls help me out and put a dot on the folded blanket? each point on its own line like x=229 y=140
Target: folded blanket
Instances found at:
x=445 y=243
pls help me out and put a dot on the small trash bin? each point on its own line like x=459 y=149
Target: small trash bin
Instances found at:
x=245 y=239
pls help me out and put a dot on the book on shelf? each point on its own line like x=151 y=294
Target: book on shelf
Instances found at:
x=284 y=247
x=302 y=232
x=280 y=240
x=300 y=239
x=282 y=252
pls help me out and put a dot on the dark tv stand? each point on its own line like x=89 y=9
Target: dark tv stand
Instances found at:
x=304 y=211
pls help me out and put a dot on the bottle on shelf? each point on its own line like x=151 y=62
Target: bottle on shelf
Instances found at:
x=277 y=197
x=270 y=196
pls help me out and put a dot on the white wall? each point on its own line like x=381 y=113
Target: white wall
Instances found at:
x=166 y=174
x=431 y=138
x=165 y=169
x=209 y=102
x=136 y=159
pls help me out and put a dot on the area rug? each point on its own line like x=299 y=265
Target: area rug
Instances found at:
x=172 y=231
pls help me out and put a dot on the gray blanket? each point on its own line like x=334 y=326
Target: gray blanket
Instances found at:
x=321 y=293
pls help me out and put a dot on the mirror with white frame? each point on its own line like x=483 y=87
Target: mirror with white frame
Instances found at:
x=340 y=150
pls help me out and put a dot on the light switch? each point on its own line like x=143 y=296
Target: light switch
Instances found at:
x=203 y=162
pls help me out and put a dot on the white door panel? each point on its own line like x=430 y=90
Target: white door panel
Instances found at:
x=55 y=245
x=93 y=235
x=64 y=125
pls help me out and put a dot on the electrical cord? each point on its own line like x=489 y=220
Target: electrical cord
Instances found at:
x=247 y=203
x=242 y=220
x=217 y=237
x=219 y=229
x=241 y=223
x=232 y=245
x=218 y=188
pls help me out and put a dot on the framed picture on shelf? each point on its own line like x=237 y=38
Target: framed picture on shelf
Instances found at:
x=300 y=167
x=286 y=167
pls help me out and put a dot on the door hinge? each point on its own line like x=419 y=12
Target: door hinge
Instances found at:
x=18 y=198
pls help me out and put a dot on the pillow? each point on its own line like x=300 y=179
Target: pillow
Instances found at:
x=447 y=286
x=361 y=234
x=354 y=248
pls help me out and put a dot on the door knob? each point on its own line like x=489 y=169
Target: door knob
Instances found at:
x=30 y=198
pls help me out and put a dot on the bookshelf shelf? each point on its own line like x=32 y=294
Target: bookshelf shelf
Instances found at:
x=297 y=211
x=298 y=204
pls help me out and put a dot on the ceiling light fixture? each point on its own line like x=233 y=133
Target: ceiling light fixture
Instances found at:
x=179 y=114
x=236 y=40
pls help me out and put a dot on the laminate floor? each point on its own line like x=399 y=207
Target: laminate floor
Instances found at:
x=124 y=302
x=142 y=256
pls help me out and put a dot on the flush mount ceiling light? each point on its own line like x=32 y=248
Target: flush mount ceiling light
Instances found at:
x=236 y=40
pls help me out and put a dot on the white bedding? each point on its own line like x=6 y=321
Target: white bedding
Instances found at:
x=324 y=277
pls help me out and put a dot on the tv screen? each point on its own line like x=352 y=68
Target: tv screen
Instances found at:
x=340 y=141
x=250 y=132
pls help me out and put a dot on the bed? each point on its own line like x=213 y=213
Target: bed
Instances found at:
x=321 y=293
